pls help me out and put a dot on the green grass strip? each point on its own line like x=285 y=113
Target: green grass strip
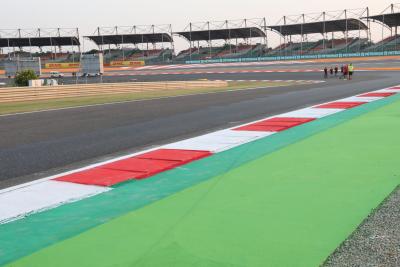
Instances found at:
x=300 y=208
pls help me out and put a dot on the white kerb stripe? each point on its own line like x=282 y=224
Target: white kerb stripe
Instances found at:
x=359 y=99
x=218 y=141
x=42 y=196
x=387 y=90
x=311 y=113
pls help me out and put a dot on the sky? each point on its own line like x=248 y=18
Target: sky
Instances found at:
x=89 y=14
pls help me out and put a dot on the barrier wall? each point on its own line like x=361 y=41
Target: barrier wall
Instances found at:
x=126 y=63
x=279 y=58
x=67 y=65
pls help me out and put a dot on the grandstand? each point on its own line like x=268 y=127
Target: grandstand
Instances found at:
x=389 y=19
x=149 y=43
x=51 y=45
x=337 y=29
x=324 y=33
x=224 y=39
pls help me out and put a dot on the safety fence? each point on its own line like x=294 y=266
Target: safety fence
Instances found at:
x=297 y=57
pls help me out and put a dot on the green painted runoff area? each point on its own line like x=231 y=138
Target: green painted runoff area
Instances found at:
x=291 y=207
x=43 y=229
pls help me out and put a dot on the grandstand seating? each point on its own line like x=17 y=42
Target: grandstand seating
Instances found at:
x=293 y=48
x=252 y=51
x=330 y=46
x=185 y=54
x=388 y=44
x=52 y=57
x=357 y=45
x=321 y=47
x=153 y=56
x=226 y=51
x=114 y=54
x=200 y=53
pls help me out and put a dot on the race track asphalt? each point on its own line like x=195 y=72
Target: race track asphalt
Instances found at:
x=36 y=145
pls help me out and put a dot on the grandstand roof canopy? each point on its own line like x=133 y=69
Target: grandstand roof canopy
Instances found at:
x=390 y=19
x=223 y=34
x=340 y=25
x=131 y=38
x=39 y=41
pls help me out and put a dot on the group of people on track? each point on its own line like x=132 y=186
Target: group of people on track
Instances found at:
x=346 y=72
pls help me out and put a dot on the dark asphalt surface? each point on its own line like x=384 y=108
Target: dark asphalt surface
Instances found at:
x=190 y=77
x=129 y=75
x=39 y=144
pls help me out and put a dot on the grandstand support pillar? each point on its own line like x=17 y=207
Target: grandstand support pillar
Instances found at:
x=79 y=46
x=162 y=47
x=51 y=44
x=280 y=40
x=285 y=37
x=122 y=43
x=73 y=50
x=30 y=46
x=383 y=23
x=142 y=46
x=134 y=31
x=209 y=38
x=266 y=32
x=102 y=40
x=369 y=37
x=8 y=48
x=172 y=42
x=324 y=30
x=19 y=34
x=359 y=36
x=122 y=48
x=229 y=36
x=83 y=47
x=251 y=53
x=190 y=41
x=347 y=31
x=302 y=34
